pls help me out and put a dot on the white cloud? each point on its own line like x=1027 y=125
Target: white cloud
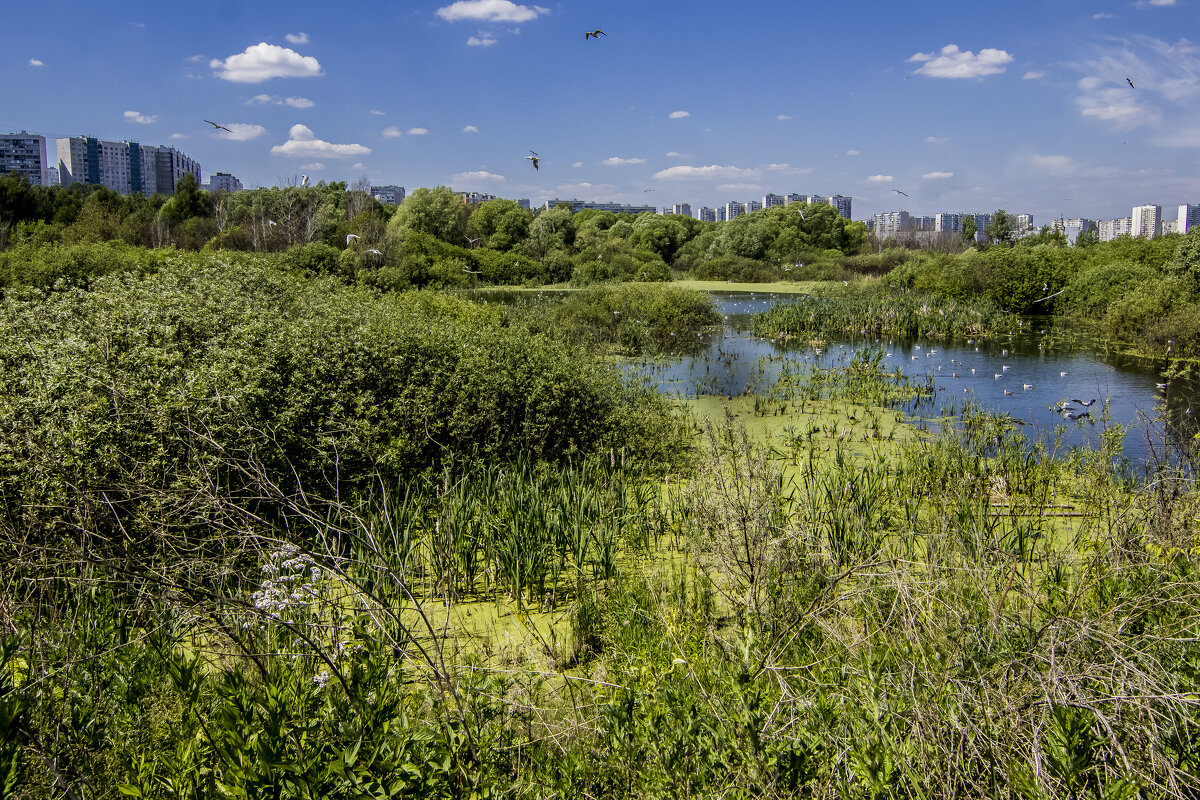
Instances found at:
x=1056 y=166
x=679 y=114
x=577 y=164
x=1103 y=15
x=1032 y=75
x=780 y=167
x=936 y=139
x=141 y=119
x=783 y=116
x=937 y=176
x=177 y=136
x=262 y=61
x=36 y=62
x=241 y=132
x=1155 y=3
x=391 y=132
x=274 y=99
x=951 y=62
x=851 y=152
x=673 y=154
x=880 y=179
x=302 y=143
x=738 y=187
x=470 y=129
x=618 y=162
x=478 y=176
x=490 y=11
x=713 y=171
x=377 y=112
x=314 y=166
x=417 y=131
x=297 y=38
x=482 y=40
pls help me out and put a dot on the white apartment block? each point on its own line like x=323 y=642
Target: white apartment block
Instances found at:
x=772 y=200
x=389 y=195
x=1188 y=218
x=25 y=154
x=752 y=206
x=223 y=182
x=793 y=198
x=1024 y=224
x=947 y=223
x=684 y=209
x=706 y=214
x=125 y=167
x=734 y=209
x=1112 y=228
x=891 y=223
x=1146 y=221
x=1170 y=226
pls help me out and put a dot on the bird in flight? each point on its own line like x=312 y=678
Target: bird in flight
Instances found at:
x=897 y=191
x=376 y=252
x=350 y=236
x=534 y=158
x=596 y=34
x=304 y=180
x=1131 y=86
x=215 y=125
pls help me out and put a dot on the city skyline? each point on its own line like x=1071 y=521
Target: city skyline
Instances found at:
x=1022 y=107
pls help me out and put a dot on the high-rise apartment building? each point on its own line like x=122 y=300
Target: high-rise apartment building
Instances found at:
x=947 y=223
x=1188 y=218
x=25 y=154
x=684 y=209
x=772 y=200
x=1112 y=228
x=1024 y=224
x=788 y=199
x=890 y=223
x=223 y=182
x=389 y=195
x=706 y=214
x=842 y=204
x=1147 y=221
x=752 y=206
x=125 y=167
x=734 y=209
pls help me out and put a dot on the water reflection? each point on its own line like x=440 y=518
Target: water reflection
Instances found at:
x=1047 y=380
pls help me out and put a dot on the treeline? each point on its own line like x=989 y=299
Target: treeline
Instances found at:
x=432 y=239
x=1145 y=291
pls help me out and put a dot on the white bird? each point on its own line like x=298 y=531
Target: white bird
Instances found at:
x=1027 y=386
x=470 y=272
x=270 y=223
x=304 y=180
x=350 y=236
x=376 y=252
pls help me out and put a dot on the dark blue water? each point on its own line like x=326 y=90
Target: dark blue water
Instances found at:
x=1032 y=375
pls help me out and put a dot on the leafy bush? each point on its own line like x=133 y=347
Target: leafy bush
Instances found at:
x=43 y=266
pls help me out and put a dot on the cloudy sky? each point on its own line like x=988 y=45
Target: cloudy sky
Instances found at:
x=1017 y=105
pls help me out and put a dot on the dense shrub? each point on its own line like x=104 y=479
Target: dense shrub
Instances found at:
x=217 y=386
x=43 y=266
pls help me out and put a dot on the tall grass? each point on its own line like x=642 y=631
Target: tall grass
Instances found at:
x=876 y=315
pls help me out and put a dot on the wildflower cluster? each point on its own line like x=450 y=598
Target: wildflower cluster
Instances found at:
x=290 y=582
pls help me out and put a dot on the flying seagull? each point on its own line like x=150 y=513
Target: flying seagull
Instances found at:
x=534 y=158
x=596 y=34
x=1131 y=86
x=215 y=125
x=897 y=191
x=376 y=252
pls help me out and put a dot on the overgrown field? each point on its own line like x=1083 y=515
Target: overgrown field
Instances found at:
x=271 y=536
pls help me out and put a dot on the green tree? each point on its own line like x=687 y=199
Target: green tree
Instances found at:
x=439 y=212
x=1002 y=229
x=967 y=230
x=499 y=224
x=552 y=229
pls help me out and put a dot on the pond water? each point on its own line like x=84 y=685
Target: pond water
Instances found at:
x=1028 y=375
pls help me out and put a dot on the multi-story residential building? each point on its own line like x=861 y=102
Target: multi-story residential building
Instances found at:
x=891 y=223
x=1188 y=218
x=947 y=223
x=125 y=167
x=523 y=203
x=706 y=214
x=1170 y=226
x=788 y=199
x=52 y=176
x=816 y=198
x=842 y=204
x=1071 y=228
x=1024 y=224
x=925 y=224
x=734 y=209
x=475 y=198
x=981 y=223
x=1146 y=221
x=617 y=208
x=772 y=200
x=722 y=215
x=223 y=182
x=1112 y=228
x=25 y=154
x=752 y=206
x=388 y=195
x=684 y=209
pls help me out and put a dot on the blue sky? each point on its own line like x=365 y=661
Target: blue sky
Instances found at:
x=964 y=106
